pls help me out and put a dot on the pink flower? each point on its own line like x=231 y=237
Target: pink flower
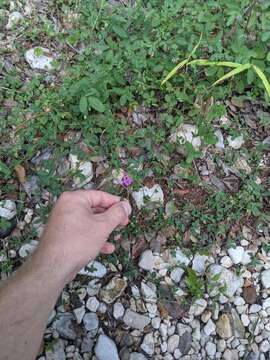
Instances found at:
x=126 y=180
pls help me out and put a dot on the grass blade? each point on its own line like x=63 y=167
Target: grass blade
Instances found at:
x=174 y=70
x=261 y=75
x=182 y=63
x=195 y=47
x=205 y=62
x=233 y=72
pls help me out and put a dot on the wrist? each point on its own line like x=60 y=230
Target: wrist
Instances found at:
x=48 y=266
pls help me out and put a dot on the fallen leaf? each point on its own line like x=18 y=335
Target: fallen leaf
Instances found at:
x=20 y=172
x=232 y=183
x=139 y=246
x=182 y=192
x=175 y=310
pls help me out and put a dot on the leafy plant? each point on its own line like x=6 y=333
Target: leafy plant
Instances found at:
x=194 y=284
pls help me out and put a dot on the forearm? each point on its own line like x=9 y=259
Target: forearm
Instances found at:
x=26 y=301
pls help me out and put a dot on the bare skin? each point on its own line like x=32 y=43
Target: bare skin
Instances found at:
x=77 y=231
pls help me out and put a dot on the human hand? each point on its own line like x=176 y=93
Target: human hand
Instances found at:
x=79 y=227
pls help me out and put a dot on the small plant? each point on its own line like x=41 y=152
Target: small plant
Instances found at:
x=195 y=284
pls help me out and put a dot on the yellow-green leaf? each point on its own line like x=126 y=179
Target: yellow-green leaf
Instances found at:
x=174 y=70
x=195 y=47
x=233 y=72
x=205 y=62
x=263 y=78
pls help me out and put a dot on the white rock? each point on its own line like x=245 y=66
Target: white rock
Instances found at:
x=246 y=258
x=118 y=310
x=177 y=354
x=147 y=260
x=236 y=254
x=156 y=323
x=238 y=301
x=163 y=347
x=264 y=346
x=186 y=133
x=137 y=356
x=28 y=216
x=94 y=269
x=265 y=278
x=148 y=292
x=226 y=278
x=254 y=308
x=220 y=143
x=198 y=307
x=266 y=303
x=28 y=249
x=79 y=314
x=92 y=304
x=221 y=345
x=211 y=349
x=226 y=262
x=237 y=142
x=199 y=264
x=178 y=257
x=148 y=195
x=102 y=308
x=173 y=343
x=7 y=209
x=14 y=19
x=177 y=274
x=106 y=349
x=245 y=320
x=230 y=355
x=244 y=242
x=40 y=58
x=135 y=291
x=209 y=328
x=135 y=320
x=163 y=329
x=148 y=344
x=84 y=167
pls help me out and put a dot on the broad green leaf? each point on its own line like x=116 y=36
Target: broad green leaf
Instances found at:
x=83 y=105
x=263 y=78
x=234 y=72
x=120 y=32
x=96 y=104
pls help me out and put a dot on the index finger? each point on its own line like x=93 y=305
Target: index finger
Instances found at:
x=102 y=199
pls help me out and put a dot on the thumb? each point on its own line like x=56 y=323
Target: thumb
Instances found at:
x=116 y=215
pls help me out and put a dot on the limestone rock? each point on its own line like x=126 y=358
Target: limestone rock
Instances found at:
x=113 y=290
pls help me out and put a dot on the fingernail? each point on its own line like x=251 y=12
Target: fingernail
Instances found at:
x=126 y=206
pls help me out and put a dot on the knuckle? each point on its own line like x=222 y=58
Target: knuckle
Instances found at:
x=66 y=196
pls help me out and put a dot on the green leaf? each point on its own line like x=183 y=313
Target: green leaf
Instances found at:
x=205 y=62
x=120 y=32
x=234 y=72
x=174 y=71
x=268 y=56
x=83 y=105
x=96 y=104
x=4 y=169
x=263 y=78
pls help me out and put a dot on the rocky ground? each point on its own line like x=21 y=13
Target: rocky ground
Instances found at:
x=176 y=302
